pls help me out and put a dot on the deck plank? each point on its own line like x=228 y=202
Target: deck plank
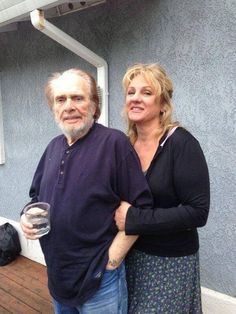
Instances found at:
x=23 y=288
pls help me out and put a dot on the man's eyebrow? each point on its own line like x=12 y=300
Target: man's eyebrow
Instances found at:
x=59 y=96
x=70 y=96
x=77 y=94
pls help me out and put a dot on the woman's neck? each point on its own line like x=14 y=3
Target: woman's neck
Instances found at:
x=147 y=143
x=148 y=133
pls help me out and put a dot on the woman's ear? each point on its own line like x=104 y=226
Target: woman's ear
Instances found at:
x=162 y=106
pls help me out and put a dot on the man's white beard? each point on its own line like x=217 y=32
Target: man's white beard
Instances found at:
x=74 y=133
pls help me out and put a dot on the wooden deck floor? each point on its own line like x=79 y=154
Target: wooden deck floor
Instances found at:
x=23 y=288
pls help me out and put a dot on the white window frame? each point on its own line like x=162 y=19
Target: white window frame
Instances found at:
x=2 y=151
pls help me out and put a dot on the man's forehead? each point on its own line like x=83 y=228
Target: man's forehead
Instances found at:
x=70 y=82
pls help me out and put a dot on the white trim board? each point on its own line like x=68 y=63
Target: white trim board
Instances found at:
x=2 y=151
x=213 y=302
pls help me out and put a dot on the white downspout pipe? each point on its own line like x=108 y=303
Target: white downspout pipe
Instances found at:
x=40 y=23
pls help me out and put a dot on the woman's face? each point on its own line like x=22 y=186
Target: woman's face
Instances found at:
x=142 y=103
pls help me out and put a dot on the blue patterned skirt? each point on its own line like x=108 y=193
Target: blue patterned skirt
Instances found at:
x=163 y=285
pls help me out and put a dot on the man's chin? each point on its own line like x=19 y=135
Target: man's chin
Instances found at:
x=71 y=127
x=74 y=132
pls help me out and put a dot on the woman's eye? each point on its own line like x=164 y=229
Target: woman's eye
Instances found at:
x=130 y=93
x=147 y=93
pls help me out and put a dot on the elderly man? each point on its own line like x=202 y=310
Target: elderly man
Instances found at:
x=84 y=174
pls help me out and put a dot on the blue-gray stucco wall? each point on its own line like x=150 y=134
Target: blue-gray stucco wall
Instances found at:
x=193 y=40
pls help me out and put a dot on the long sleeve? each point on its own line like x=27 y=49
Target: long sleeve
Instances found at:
x=35 y=186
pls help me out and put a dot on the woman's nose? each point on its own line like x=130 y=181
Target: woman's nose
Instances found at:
x=136 y=97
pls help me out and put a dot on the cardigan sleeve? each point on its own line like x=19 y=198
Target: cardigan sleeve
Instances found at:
x=191 y=185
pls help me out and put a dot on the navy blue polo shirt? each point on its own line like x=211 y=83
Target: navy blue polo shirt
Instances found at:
x=84 y=183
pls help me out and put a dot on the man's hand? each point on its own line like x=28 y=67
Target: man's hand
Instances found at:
x=29 y=232
x=120 y=215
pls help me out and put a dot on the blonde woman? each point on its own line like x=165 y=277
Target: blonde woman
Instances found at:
x=163 y=266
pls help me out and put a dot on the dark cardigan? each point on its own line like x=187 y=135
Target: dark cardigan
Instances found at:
x=179 y=181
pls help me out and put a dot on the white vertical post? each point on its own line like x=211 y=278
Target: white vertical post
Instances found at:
x=102 y=82
x=2 y=152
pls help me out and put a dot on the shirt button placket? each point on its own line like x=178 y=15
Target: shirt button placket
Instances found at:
x=62 y=165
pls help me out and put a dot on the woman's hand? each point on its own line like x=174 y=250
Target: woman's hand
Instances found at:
x=29 y=232
x=120 y=215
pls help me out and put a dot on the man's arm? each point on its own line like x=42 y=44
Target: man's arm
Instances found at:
x=120 y=246
x=133 y=188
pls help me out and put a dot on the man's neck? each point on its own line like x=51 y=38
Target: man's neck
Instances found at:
x=71 y=139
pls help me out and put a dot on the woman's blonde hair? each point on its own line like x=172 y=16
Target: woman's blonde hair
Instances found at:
x=49 y=88
x=162 y=85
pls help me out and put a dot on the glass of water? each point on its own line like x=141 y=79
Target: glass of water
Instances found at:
x=38 y=214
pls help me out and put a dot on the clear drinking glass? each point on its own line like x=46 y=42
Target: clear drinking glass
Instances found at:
x=39 y=215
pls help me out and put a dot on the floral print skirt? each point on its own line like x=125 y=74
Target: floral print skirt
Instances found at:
x=163 y=285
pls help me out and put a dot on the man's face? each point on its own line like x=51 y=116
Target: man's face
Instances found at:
x=72 y=107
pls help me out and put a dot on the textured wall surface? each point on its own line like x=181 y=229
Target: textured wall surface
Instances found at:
x=195 y=42
x=192 y=40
